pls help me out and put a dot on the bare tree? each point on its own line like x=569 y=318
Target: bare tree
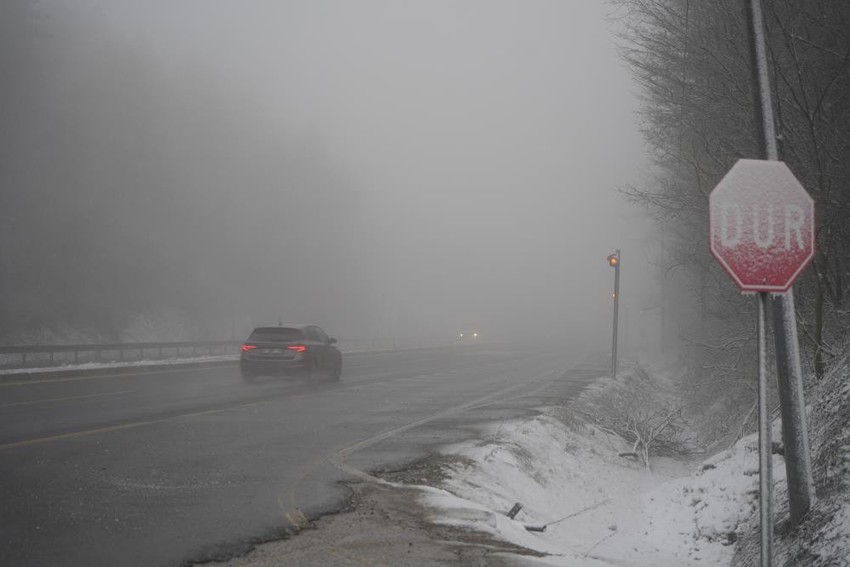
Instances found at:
x=691 y=60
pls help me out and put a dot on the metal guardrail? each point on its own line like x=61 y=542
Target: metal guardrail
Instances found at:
x=106 y=352
x=354 y=345
x=53 y=355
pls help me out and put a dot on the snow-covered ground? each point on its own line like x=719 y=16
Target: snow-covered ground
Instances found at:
x=599 y=508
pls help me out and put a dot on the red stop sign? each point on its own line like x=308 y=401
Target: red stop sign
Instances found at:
x=762 y=225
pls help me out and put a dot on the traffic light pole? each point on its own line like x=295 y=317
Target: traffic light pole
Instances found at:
x=616 y=266
x=795 y=434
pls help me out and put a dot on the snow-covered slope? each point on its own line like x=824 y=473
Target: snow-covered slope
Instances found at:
x=599 y=508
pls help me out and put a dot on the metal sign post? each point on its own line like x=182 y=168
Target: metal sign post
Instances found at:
x=765 y=442
x=762 y=231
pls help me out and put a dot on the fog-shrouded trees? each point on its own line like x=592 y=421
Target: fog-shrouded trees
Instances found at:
x=139 y=193
x=692 y=62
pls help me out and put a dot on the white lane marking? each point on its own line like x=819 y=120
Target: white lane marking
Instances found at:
x=338 y=458
x=347 y=451
x=287 y=500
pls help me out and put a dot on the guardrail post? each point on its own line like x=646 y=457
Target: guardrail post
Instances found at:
x=23 y=359
x=76 y=356
x=51 y=358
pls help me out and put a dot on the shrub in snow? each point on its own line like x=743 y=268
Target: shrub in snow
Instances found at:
x=645 y=412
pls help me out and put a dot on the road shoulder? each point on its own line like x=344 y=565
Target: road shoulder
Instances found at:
x=383 y=525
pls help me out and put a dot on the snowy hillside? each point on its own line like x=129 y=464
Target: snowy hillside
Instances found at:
x=596 y=507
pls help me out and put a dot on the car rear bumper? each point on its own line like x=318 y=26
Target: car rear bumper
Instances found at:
x=272 y=366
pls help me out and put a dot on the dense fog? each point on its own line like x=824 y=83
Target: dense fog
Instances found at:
x=185 y=170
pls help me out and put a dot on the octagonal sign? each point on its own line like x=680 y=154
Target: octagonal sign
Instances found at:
x=761 y=225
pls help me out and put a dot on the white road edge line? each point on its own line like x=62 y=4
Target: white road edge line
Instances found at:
x=338 y=458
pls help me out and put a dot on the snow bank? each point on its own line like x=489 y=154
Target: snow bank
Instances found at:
x=598 y=508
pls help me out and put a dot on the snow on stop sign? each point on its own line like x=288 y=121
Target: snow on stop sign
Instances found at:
x=762 y=225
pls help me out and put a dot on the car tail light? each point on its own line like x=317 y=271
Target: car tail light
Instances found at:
x=297 y=348
x=246 y=348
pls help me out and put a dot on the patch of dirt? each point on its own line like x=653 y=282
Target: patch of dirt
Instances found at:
x=430 y=471
x=385 y=526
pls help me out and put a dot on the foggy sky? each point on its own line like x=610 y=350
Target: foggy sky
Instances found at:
x=485 y=141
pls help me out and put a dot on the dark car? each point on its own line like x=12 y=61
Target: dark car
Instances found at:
x=290 y=349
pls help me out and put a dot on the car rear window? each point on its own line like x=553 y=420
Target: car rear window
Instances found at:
x=274 y=334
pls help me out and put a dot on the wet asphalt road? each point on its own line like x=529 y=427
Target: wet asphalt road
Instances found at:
x=172 y=467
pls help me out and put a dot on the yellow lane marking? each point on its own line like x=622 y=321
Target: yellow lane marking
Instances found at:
x=30 y=442
x=67 y=399
x=87 y=432
x=28 y=382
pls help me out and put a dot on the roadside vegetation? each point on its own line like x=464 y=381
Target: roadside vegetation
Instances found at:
x=691 y=60
x=648 y=413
